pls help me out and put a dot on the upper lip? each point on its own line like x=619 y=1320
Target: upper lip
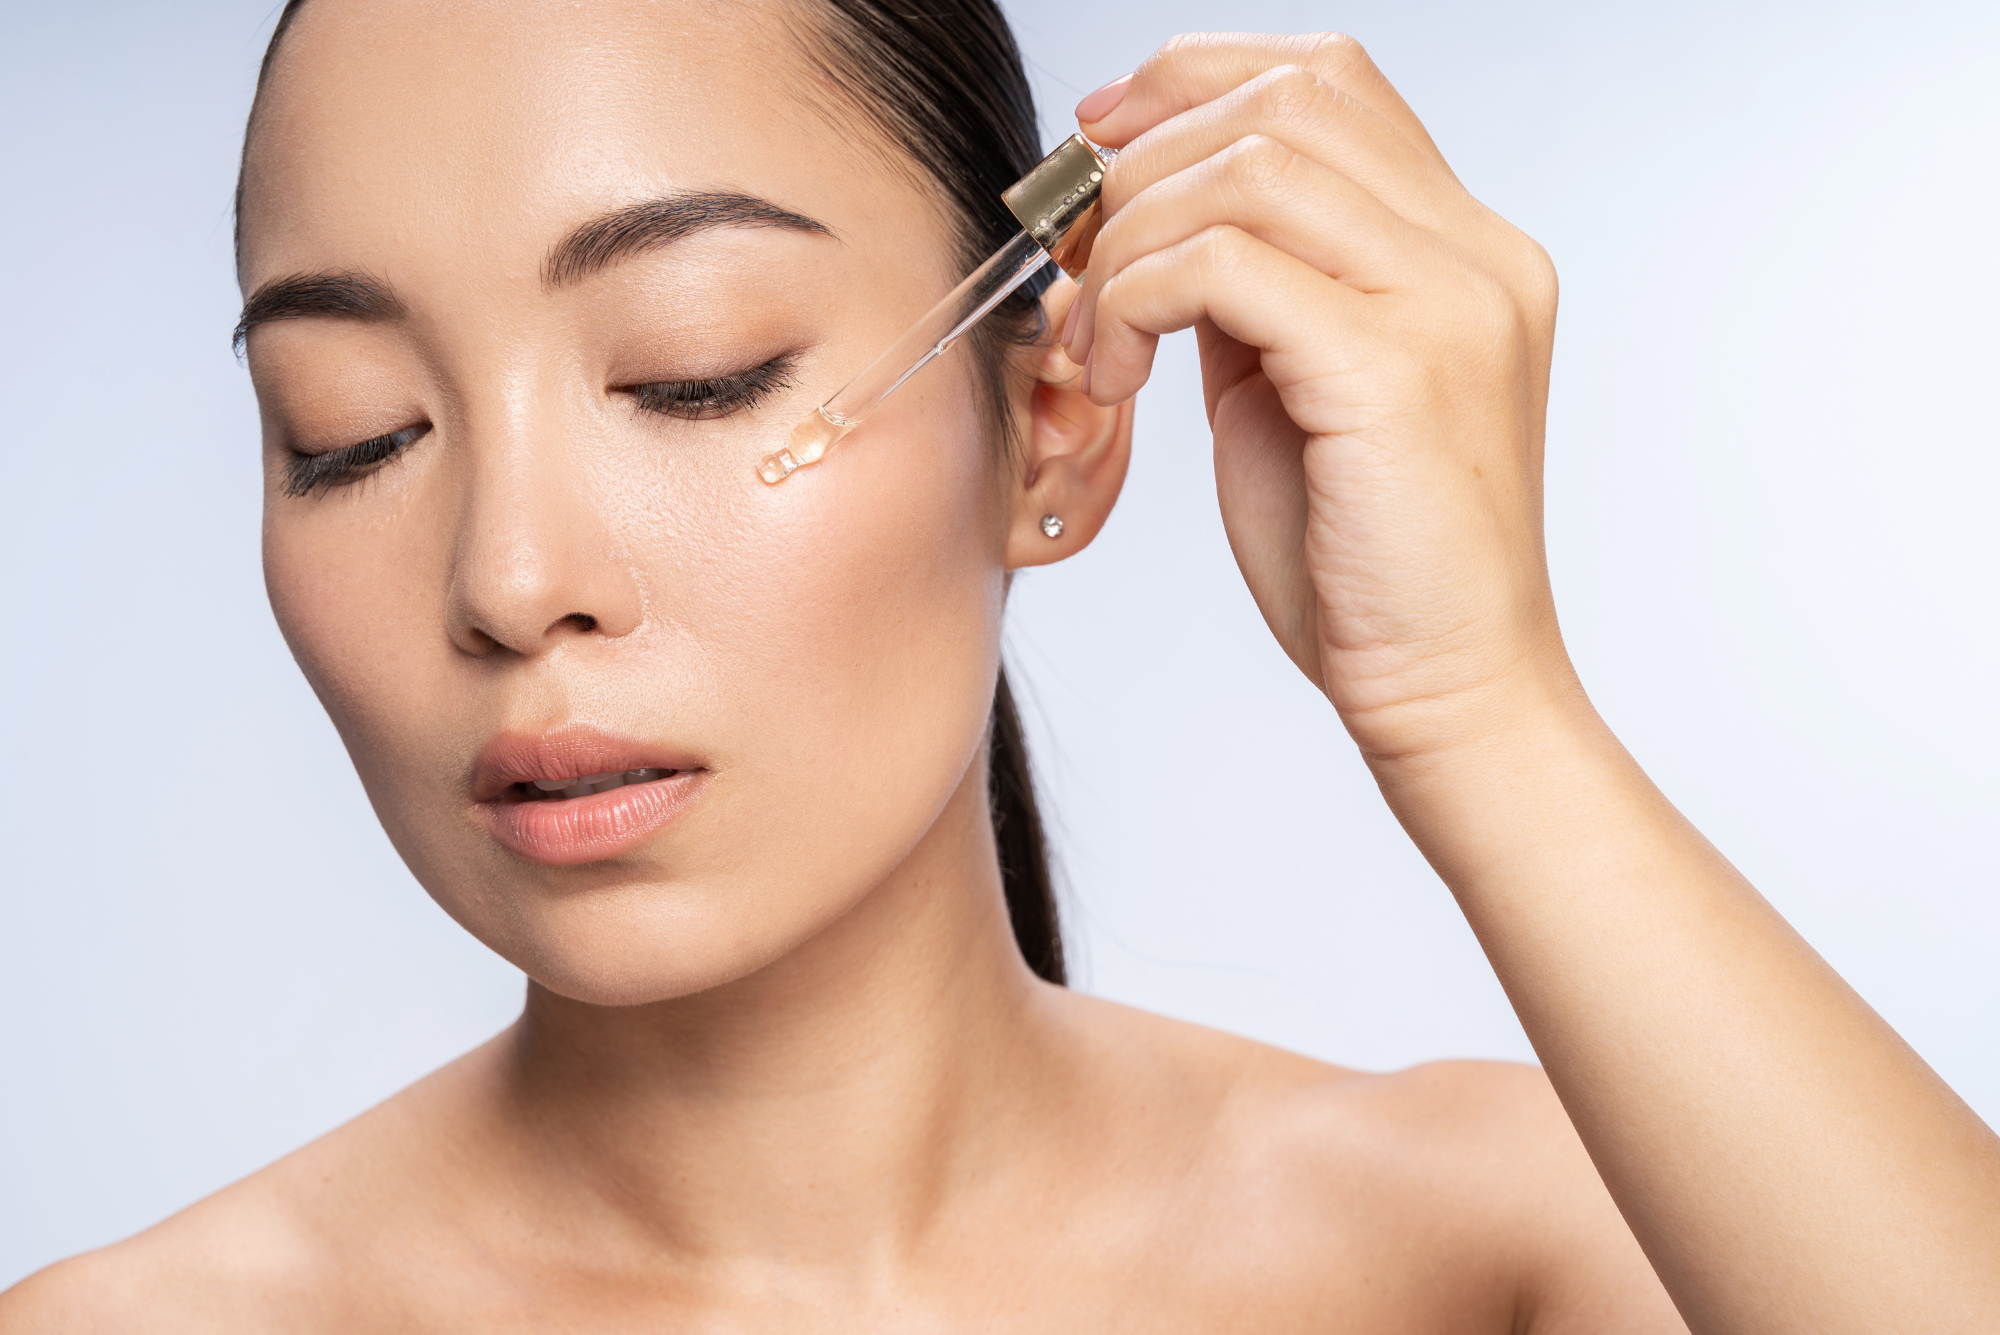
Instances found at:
x=565 y=753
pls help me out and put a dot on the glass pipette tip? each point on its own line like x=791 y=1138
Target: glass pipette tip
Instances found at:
x=1057 y=206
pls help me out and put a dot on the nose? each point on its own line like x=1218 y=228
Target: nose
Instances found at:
x=534 y=560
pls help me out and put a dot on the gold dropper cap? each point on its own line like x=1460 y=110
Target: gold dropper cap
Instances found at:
x=1056 y=203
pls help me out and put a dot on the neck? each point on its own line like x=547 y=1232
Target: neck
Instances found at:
x=821 y=1109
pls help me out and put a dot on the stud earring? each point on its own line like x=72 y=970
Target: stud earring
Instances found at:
x=1052 y=525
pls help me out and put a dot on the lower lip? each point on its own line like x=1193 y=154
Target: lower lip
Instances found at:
x=590 y=829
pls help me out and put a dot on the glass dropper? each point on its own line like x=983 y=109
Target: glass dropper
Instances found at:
x=1057 y=206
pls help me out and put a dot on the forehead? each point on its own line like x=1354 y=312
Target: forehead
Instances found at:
x=484 y=128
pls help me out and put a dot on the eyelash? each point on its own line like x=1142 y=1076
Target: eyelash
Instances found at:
x=308 y=473
x=693 y=400
x=698 y=400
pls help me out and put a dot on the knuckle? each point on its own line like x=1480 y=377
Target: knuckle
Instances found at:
x=1493 y=325
x=1483 y=304
x=1176 y=53
x=1286 y=94
x=1493 y=303
x=1523 y=271
x=1538 y=275
x=1334 y=55
x=1258 y=165
x=1218 y=251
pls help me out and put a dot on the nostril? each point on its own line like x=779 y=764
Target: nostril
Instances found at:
x=582 y=621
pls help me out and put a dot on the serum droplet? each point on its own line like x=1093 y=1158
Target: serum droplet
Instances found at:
x=810 y=441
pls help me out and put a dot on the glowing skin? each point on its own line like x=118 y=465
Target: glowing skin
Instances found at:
x=781 y=1066
x=739 y=627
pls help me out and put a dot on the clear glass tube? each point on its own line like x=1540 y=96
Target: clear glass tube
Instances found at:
x=930 y=337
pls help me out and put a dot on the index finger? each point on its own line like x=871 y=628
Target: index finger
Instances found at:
x=1199 y=67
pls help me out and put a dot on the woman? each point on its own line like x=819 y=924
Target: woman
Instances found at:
x=529 y=289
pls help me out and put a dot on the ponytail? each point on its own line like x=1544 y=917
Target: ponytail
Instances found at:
x=1017 y=829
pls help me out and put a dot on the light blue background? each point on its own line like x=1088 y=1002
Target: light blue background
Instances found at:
x=1772 y=479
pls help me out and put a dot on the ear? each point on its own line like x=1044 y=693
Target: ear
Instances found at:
x=1077 y=453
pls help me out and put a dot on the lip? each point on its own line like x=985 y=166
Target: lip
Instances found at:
x=580 y=829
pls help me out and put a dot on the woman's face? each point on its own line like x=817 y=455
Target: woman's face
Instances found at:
x=560 y=573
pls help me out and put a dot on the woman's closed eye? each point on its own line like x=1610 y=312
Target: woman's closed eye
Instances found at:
x=716 y=396
x=708 y=397
x=309 y=473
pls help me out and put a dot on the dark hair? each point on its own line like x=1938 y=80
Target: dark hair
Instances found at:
x=942 y=81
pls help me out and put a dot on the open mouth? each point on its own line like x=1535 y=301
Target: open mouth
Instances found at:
x=583 y=785
x=549 y=797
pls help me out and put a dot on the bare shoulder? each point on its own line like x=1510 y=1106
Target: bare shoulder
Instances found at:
x=1490 y=1129
x=275 y=1252
x=237 y=1260
x=1491 y=1143
x=1462 y=1180
x=1442 y=1118
x=1478 y=1167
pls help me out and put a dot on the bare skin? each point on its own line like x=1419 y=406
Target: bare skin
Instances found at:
x=781 y=1065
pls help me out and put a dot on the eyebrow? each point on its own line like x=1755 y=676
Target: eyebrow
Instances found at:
x=353 y=296
x=589 y=248
x=654 y=223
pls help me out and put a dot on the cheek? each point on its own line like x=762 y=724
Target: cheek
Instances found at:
x=852 y=613
x=357 y=586
x=836 y=638
x=344 y=587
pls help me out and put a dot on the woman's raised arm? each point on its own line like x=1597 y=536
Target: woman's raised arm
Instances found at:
x=1375 y=349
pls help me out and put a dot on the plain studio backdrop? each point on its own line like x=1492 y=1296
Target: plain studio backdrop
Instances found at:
x=1772 y=470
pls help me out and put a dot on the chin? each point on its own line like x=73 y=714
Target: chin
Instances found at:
x=632 y=942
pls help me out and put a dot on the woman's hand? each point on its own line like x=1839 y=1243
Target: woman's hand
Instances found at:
x=1375 y=356
x=1375 y=351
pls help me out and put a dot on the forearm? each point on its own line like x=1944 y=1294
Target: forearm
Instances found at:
x=1375 y=351
x=1788 y=1163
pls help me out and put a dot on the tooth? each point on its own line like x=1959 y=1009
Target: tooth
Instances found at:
x=553 y=785
x=638 y=775
x=577 y=788
x=615 y=781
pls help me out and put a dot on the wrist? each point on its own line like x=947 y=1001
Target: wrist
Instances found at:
x=1459 y=717
x=1498 y=762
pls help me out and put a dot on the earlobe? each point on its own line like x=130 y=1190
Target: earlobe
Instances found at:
x=1077 y=453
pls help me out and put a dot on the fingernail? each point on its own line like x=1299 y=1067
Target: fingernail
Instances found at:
x=1104 y=101
x=1069 y=324
x=1088 y=358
